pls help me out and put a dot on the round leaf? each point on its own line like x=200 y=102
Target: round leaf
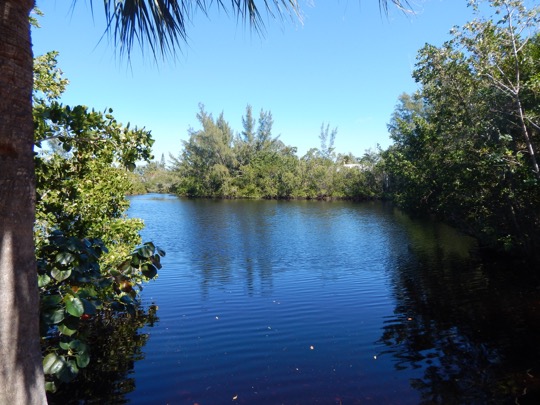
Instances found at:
x=50 y=301
x=64 y=330
x=65 y=258
x=43 y=280
x=146 y=250
x=89 y=307
x=53 y=364
x=52 y=317
x=83 y=359
x=149 y=270
x=74 y=306
x=60 y=275
x=160 y=251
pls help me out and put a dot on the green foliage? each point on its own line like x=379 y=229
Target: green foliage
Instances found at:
x=75 y=289
x=465 y=145
x=87 y=263
x=120 y=342
x=255 y=164
x=154 y=177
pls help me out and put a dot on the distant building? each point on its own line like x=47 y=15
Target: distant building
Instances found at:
x=355 y=165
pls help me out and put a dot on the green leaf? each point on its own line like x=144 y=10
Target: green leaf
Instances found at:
x=114 y=272
x=65 y=330
x=50 y=301
x=126 y=264
x=126 y=299
x=65 y=258
x=149 y=270
x=135 y=261
x=64 y=345
x=78 y=346
x=69 y=372
x=74 y=306
x=52 y=317
x=157 y=261
x=83 y=359
x=43 y=280
x=53 y=364
x=160 y=251
x=89 y=307
x=50 y=386
x=60 y=275
x=146 y=250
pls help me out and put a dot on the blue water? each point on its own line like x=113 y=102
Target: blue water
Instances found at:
x=279 y=302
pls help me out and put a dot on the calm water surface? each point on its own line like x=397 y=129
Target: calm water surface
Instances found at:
x=276 y=302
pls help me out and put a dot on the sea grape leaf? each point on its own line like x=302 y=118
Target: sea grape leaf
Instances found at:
x=74 y=306
x=53 y=364
x=60 y=275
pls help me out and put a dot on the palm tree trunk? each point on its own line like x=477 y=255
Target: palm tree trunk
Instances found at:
x=21 y=371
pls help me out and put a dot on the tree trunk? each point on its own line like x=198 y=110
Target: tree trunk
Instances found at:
x=21 y=371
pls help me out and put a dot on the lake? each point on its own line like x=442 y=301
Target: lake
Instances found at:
x=303 y=302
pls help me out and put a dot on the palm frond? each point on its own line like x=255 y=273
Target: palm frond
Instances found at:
x=161 y=24
x=402 y=5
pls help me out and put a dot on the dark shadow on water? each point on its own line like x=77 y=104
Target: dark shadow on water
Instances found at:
x=472 y=326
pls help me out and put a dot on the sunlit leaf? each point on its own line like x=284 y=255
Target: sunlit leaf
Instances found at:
x=60 y=275
x=65 y=258
x=53 y=364
x=146 y=250
x=64 y=330
x=43 y=280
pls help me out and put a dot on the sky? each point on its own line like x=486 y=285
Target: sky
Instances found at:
x=344 y=65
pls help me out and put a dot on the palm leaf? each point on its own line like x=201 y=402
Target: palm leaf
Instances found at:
x=161 y=24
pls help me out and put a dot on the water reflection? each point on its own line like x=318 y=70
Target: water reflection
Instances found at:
x=116 y=343
x=471 y=327
x=398 y=311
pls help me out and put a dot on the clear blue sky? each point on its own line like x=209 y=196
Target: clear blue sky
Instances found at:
x=345 y=65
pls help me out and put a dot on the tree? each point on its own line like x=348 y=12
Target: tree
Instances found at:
x=327 y=140
x=89 y=265
x=208 y=162
x=500 y=53
x=465 y=146
x=161 y=24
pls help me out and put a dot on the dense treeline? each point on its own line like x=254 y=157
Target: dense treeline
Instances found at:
x=254 y=164
x=464 y=146
x=217 y=162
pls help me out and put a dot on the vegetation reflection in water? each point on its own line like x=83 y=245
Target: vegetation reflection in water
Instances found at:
x=449 y=327
x=118 y=343
x=470 y=325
